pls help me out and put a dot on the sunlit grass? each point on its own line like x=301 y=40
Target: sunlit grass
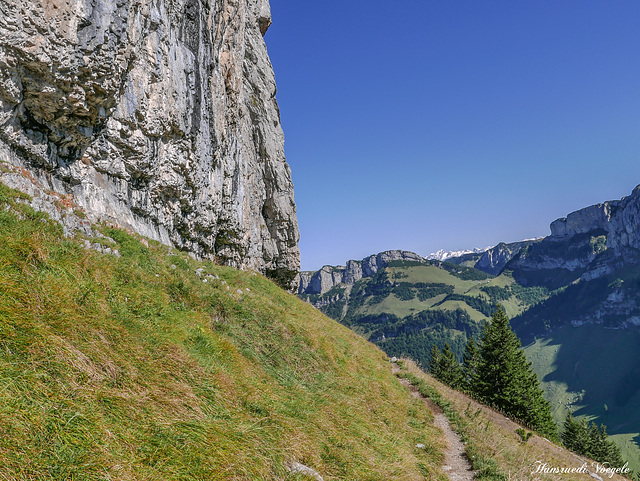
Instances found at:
x=134 y=368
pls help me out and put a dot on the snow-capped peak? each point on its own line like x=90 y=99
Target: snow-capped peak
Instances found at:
x=443 y=255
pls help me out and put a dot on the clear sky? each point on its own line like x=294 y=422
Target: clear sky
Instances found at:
x=450 y=124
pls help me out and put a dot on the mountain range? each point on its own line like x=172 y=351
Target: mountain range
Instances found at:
x=443 y=255
x=573 y=298
x=144 y=189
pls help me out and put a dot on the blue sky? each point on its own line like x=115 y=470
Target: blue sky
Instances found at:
x=425 y=125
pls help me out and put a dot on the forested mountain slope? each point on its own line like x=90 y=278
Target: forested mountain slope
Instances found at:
x=573 y=298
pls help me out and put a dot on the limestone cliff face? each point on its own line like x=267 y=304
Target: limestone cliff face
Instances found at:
x=587 y=244
x=156 y=115
x=620 y=219
x=493 y=260
x=321 y=281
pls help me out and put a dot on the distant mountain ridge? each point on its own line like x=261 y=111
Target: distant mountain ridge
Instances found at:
x=593 y=253
x=592 y=262
x=587 y=244
x=573 y=298
x=494 y=260
x=323 y=280
x=491 y=260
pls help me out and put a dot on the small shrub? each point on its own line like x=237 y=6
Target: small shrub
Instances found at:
x=524 y=435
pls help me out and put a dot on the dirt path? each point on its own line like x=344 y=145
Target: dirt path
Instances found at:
x=457 y=465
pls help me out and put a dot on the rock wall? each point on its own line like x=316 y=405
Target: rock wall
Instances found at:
x=156 y=115
x=493 y=260
x=620 y=219
x=587 y=244
x=321 y=281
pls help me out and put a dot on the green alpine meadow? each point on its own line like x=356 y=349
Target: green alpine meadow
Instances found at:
x=448 y=295
x=152 y=366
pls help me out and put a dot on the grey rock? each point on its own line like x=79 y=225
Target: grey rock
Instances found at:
x=60 y=208
x=587 y=244
x=159 y=117
x=372 y=264
x=494 y=260
x=619 y=220
x=583 y=221
x=323 y=280
x=299 y=468
x=353 y=272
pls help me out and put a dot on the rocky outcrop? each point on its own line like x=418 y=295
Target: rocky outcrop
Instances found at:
x=158 y=116
x=494 y=260
x=619 y=219
x=323 y=280
x=583 y=221
x=319 y=282
x=587 y=244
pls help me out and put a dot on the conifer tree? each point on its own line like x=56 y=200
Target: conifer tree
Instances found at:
x=449 y=369
x=506 y=380
x=575 y=433
x=434 y=356
x=470 y=362
x=587 y=439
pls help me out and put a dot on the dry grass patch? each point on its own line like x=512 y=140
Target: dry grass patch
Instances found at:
x=493 y=443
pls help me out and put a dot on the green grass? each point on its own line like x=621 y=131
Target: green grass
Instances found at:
x=433 y=274
x=134 y=368
x=583 y=369
x=588 y=367
x=375 y=304
x=487 y=468
x=400 y=308
x=453 y=305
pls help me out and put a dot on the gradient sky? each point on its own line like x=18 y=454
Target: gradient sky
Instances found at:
x=450 y=124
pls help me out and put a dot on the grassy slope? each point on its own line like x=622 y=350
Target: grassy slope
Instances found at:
x=586 y=368
x=608 y=360
x=433 y=274
x=491 y=440
x=412 y=341
x=133 y=368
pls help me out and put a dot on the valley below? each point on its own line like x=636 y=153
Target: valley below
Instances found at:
x=572 y=297
x=154 y=321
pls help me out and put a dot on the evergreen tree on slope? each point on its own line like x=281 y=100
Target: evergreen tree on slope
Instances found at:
x=445 y=367
x=586 y=438
x=434 y=357
x=506 y=380
x=470 y=365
